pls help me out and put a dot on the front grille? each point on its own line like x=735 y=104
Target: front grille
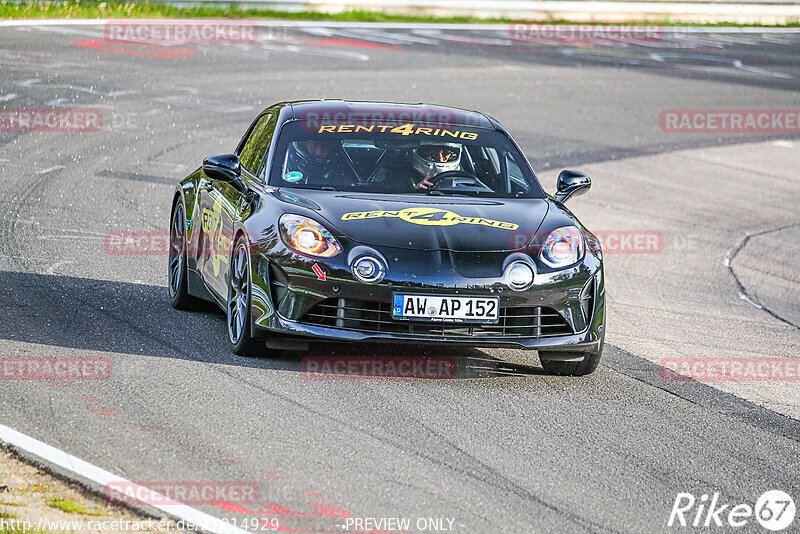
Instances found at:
x=366 y=316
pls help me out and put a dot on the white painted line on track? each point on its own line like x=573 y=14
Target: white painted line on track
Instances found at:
x=56 y=265
x=747 y=299
x=71 y=237
x=24 y=257
x=374 y=25
x=783 y=143
x=103 y=477
x=50 y=169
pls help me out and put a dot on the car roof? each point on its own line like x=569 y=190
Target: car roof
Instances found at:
x=343 y=112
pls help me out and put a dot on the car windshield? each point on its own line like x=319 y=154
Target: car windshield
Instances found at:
x=401 y=158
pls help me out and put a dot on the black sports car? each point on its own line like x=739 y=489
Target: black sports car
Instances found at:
x=375 y=222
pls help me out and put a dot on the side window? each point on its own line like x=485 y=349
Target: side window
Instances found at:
x=255 y=146
x=516 y=179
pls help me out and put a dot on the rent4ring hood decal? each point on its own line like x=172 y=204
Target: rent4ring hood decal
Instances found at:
x=428 y=216
x=411 y=222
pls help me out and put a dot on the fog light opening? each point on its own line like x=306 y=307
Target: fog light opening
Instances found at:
x=519 y=276
x=368 y=269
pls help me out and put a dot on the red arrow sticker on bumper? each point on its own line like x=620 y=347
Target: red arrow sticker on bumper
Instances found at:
x=319 y=272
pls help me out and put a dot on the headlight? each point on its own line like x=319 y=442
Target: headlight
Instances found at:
x=563 y=247
x=308 y=236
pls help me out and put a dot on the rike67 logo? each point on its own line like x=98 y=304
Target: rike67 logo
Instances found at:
x=774 y=510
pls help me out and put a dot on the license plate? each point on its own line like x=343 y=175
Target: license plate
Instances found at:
x=450 y=309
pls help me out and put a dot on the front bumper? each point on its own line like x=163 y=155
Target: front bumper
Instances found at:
x=553 y=314
x=588 y=341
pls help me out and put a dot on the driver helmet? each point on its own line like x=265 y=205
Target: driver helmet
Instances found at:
x=432 y=157
x=315 y=151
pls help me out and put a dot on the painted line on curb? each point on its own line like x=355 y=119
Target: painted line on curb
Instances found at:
x=103 y=477
x=380 y=25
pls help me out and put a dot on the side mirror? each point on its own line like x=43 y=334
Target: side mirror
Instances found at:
x=571 y=183
x=225 y=167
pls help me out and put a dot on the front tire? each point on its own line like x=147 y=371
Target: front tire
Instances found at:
x=238 y=308
x=556 y=362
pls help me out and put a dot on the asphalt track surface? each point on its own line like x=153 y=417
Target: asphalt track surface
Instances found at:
x=500 y=448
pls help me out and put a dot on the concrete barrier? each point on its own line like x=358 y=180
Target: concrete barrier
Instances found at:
x=615 y=11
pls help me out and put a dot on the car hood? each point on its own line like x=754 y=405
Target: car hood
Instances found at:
x=426 y=223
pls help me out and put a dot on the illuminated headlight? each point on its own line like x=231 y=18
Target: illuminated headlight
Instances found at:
x=563 y=247
x=368 y=269
x=308 y=236
x=519 y=276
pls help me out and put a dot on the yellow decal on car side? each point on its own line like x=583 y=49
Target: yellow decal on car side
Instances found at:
x=429 y=217
x=220 y=245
